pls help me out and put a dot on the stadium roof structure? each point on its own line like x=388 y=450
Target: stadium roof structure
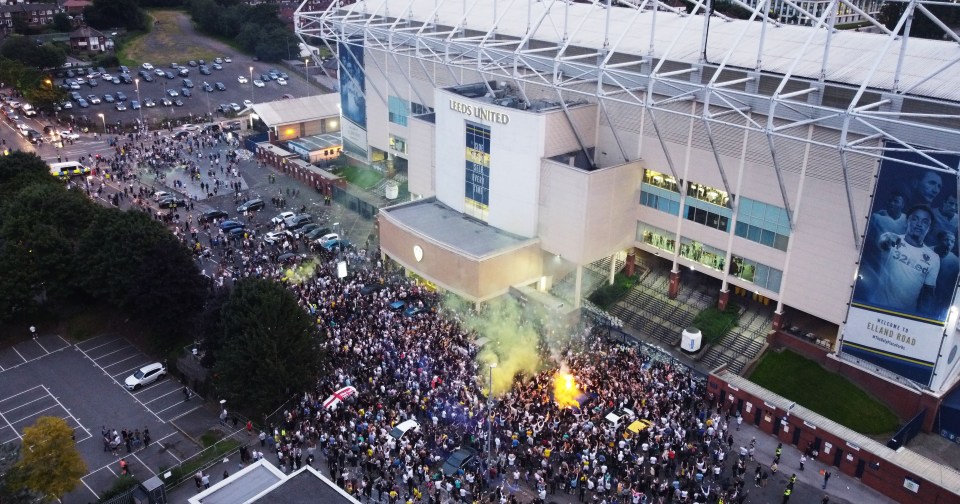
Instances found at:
x=876 y=90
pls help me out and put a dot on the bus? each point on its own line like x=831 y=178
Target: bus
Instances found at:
x=68 y=169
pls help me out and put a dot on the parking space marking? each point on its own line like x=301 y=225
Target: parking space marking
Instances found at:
x=35 y=340
x=161 y=397
x=143 y=464
x=5 y=399
x=130 y=371
x=26 y=404
x=11 y=428
x=75 y=419
x=31 y=415
x=98 y=346
x=121 y=385
x=121 y=360
x=195 y=408
x=113 y=352
x=21 y=355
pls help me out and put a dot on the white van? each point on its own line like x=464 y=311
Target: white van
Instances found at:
x=404 y=427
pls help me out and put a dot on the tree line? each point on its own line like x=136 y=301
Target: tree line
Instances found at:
x=258 y=28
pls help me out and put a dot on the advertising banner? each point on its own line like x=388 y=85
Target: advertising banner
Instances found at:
x=353 y=104
x=908 y=267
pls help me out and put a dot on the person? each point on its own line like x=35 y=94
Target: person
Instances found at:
x=826 y=478
x=907 y=269
x=124 y=467
x=944 y=219
x=786 y=494
x=186 y=394
x=803 y=460
x=924 y=190
x=146 y=437
x=949 y=268
x=891 y=219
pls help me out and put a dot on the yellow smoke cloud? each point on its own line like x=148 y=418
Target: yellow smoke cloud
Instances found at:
x=301 y=272
x=565 y=389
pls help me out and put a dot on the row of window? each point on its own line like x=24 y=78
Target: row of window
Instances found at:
x=661 y=200
x=745 y=269
x=399 y=110
x=707 y=218
x=762 y=236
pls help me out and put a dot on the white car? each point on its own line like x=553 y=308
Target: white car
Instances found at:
x=242 y=80
x=277 y=236
x=227 y=59
x=190 y=127
x=247 y=103
x=145 y=376
x=282 y=217
x=327 y=238
x=159 y=195
x=258 y=83
x=147 y=66
x=404 y=427
x=69 y=135
x=281 y=81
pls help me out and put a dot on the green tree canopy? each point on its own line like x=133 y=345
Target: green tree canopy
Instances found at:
x=104 y=14
x=26 y=51
x=269 y=346
x=50 y=465
x=61 y=22
x=170 y=291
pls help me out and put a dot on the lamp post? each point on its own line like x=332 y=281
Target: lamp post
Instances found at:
x=104 y=121
x=143 y=125
x=251 y=84
x=490 y=418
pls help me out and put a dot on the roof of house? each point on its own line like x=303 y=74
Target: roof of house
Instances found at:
x=29 y=7
x=85 y=32
x=296 y=110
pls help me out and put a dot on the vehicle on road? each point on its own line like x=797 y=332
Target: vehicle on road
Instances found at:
x=458 y=460
x=403 y=428
x=277 y=236
x=281 y=81
x=227 y=225
x=68 y=169
x=211 y=215
x=145 y=376
x=251 y=205
x=297 y=221
x=69 y=135
x=281 y=217
x=172 y=202
x=242 y=80
x=258 y=83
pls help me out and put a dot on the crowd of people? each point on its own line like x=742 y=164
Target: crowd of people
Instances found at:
x=424 y=368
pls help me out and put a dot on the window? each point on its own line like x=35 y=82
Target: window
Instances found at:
x=756 y=273
x=706 y=255
x=477 y=176
x=708 y=215
x=398 y=144
x=655 y=237
x=418 y=109
x=661 y=192
x=763 y=223
x=398 y=110
x=708 y=194
x=660 y=180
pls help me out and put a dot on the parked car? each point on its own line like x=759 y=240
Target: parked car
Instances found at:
x=120 y=96
x=329 y=237
x=186 y=92
x=220 y=86
x=277 y=236
x=183 y=72
x=148 y=102
x=94 y=99
x=166 y=102
x=147 y=66
x=281 y=217
x=108 y=98
x=120 y=106
x=458 y=460
x=145 y=375
x=227 y=225
x=258 y=83
x=82 y=103
x=173 y=93
x=134 y=105
x=403 y=428
x=242 y=80
x=187 y=83
x=210 y=215
x=207 y=87
x=297 y=221
x=251 y=205
x=281 y=81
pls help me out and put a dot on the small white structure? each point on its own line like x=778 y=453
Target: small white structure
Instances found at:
x=691 y=340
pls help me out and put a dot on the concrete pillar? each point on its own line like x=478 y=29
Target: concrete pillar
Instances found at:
x=613 y=269
x=724 y=299
x=674 y=284
x=631 y=267
x=778 y=319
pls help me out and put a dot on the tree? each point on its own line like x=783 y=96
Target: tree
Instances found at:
x=269 y=346
x=61 y=22
x=50 y=465
x=170 y=290
x=26 y=51
x=104 y=14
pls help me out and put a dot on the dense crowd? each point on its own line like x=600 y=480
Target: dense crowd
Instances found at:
x=424 y=367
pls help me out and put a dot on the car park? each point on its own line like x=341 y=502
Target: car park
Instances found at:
x=120 y=107
x=242 y=80
x=145 y=376
x=134 y=105
x=120 y=96
x=147 y=66
x=108 y=98
x=166 y=102
x=173 y=93
x=251 y=205
x=148 y=102
x=258 y=83
x=82 y=103
x=281 y=81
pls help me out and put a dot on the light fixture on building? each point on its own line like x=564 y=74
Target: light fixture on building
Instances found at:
x=417 y=253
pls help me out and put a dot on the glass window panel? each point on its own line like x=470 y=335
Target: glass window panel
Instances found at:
x=766 y=237
x=773 y=282
x=784 y=220
x=761 y=276
x=741 y=229
x=753 y=233
x=746 y=205
x=724 y=224
x=780 y=242
x=772 y=215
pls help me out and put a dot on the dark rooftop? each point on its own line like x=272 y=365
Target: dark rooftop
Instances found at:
x=505 y=95
x=305 y=487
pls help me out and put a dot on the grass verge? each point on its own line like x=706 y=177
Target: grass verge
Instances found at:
x=714 y=323
x=166 y=42
x=833 y=396
x=362 y=177
x=608 y=295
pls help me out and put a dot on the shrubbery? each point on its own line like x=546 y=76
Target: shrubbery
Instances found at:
x=607 y=295
x=714 y=323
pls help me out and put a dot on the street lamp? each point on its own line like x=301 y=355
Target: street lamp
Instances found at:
x=490 y=418
x=251 y=84
x=143 y=125
x=104 y=124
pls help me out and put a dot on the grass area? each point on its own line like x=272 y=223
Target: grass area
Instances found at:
x=833 y=396
x=362 y=177
x=714 y=323
x=608 y=295
x=168 y=41
x=190 y=466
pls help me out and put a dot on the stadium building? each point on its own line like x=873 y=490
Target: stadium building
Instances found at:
x=807 y=167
